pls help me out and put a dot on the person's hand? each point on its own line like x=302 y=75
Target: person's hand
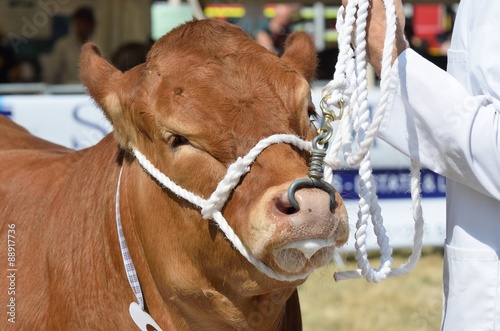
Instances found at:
x=375 y=33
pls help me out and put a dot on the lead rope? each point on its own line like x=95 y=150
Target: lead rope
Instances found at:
x=348 y=92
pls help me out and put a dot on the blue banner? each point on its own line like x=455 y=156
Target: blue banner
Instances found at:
x=4 y=110
x=390 y=183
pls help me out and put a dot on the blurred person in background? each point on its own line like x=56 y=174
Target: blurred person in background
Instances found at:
x=63 y=62
x=9 y=64
x=274 y=35
x=129 y=55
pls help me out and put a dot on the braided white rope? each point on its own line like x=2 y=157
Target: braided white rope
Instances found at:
x=349 y=87
x=211 y=207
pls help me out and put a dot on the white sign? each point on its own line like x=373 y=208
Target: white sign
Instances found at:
x=73 y=121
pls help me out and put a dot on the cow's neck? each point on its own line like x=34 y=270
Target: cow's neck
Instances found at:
x=180 y=289
x=87 y=233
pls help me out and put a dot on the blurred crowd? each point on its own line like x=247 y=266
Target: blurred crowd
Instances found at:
x=57 y=63
x=60 y=64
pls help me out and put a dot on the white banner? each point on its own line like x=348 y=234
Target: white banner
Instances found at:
x=73 y=121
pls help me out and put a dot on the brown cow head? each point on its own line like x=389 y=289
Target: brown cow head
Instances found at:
x=205 y=96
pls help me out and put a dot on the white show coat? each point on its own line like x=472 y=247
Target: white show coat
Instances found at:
x=450 y=122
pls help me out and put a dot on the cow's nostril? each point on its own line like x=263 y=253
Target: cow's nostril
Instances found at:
x=284 y=206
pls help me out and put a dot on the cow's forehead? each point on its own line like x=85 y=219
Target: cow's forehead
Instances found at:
x=224 y=85
x=209 y=47
x=237 y=85
x=233 y=110
x=205 y=36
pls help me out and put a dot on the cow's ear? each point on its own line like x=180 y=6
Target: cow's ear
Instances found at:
x=300 y=53
x=109 y=87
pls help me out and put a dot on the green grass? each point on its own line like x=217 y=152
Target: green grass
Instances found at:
x=408 y=303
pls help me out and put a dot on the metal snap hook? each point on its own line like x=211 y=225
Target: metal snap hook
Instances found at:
x=330 y=113
x=318 y=153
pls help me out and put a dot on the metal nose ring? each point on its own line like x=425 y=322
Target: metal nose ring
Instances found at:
x=315 y=173
x=311 y=183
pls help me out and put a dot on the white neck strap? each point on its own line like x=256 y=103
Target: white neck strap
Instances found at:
x=136 y=309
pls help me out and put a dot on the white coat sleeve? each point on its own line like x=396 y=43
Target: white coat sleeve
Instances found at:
x=434 y=120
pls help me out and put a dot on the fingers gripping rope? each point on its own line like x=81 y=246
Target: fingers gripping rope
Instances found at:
x=211 y=207
x=356 y=135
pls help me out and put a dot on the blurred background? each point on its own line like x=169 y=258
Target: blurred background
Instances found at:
x=30 y=30
x=40 y=89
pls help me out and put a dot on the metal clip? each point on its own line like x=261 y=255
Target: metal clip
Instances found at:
x=318 y=153
x=315 y=174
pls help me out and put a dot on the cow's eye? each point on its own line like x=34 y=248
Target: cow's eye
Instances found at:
x=177 y=140
x=311 y=112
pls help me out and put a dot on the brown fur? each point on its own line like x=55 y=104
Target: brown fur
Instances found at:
x=209 y=82
x=15 y=137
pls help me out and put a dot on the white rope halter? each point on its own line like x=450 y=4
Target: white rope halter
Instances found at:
x=348 y=90
x=211 y=207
